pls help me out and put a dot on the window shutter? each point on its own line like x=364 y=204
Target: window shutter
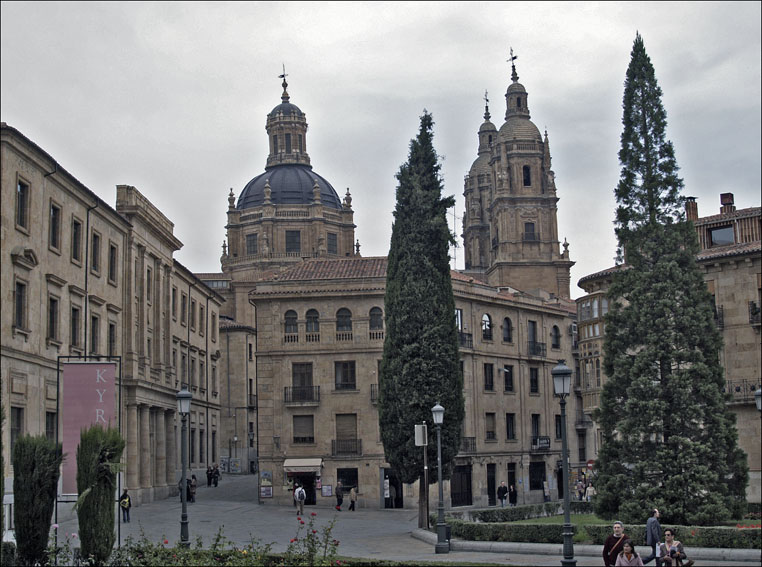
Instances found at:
x=346 y=426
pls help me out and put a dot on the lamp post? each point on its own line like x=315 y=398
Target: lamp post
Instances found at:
x=562 y=385
x=183 y=408
x=443 y=546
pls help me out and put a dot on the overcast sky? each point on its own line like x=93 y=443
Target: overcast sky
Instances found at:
x=172 y=98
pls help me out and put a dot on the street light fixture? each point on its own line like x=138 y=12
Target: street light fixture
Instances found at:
x=443 y=546
x=562 y=385
x=184 y=398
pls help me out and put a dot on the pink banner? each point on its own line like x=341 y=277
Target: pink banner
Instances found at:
x=88 y=397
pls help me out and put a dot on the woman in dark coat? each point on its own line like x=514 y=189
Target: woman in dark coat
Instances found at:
x=512 y=495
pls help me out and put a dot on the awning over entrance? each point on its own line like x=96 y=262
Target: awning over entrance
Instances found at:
x=303 y=465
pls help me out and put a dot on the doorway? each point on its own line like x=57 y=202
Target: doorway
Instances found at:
x=307 y=481
x=491 y=485
x=460 y=493
x=391 y=489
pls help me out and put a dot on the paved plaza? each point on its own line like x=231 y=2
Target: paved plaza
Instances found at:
x=370 y=533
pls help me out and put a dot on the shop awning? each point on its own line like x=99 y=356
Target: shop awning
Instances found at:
x=303 y=465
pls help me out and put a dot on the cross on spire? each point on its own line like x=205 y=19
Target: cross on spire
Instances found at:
x=514 y=76
x=486 y=106
x=284 y=97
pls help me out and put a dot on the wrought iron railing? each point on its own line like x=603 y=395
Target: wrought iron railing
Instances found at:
x=468 y=444
x=536 y=349
x=346 y=447
x=741 y=390
x=466 y=340
x=541 y=443
x=374 y=393
x=301 y=394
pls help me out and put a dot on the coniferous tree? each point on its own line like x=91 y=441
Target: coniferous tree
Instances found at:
x=98 y=456
x=669 y=439
x=36 y=468
x=420 y=366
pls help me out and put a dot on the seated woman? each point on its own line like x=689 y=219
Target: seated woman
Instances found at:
x=628 y=556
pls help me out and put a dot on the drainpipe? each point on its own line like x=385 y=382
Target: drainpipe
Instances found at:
x=206 y=378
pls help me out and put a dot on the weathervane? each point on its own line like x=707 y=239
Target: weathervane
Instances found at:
x=284 y=97
x=513 y=58
x=486 y=106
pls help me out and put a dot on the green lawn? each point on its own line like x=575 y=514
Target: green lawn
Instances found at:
x=576 y=519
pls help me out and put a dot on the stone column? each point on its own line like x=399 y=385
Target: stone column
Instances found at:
x=133 y=454
x=160 y=459
x=171 y=445
x=145 y=447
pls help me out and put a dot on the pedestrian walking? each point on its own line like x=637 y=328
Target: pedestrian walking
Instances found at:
x=352 y=499
x=216 y=475
x=339 y=496
x=299 y=497
x=590 y=492
x=513 y=496
x=502 y=494
x=671 y=552
x=653 y=537
x=193 y=486
x=209 y=475
x=613 y=545
x=125 y=503
x=188 y=493
x=580 y=490
x=628 y=556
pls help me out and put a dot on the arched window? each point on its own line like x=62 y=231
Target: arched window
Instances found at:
x=313 y=321
x=343 y=319
x=555 y=337
x=507 y=330
x=518 y=102
x=487 y=327
x=527 y=176
x=376 y=319
x=597 y=371
x=291 y=325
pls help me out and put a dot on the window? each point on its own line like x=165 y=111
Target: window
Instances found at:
x=183 y=309
x=112 y=340
x=486 y=327
x=293 y=242
x=214 y=446
x=581 y=439
x=722 y=236
x=74 y=326
x=510 y=426
x=347 y=477
x=313 y=321
x=595 y=308
x=345 y=375
x=507 y=330
x=275 y=144
x=51 y=422
x=288 y=143
x=95 y=331
x=529 y=233
x=535 y=425
x=54 y=235
x=534 y=380
x=192 y=378
x=53 y=305
x=527 y=176
x=193 y=445
x=301 y=145
x=184 y=369
x=558 y=427
x=112 y=268
x=200 y=445
x=304 y=429
x=555 y=337
x=604 y=305
x=459 y=319
x=489 y=377
x=149 y=285
x=598 y=372
x=333 y=247
x=76 y=240
x=508 y=376
x=343 y=320
x=518 y=102
x=20 y=305
x=376 y=319
x=17 y=425
x=251 y=244
x=291 y=326
x=489 y=426
x=95 y=253
x=174 y=303
x=214 y=379
x=251 y=352
x=22 y=205
x=214 y=327
x=193 y=314
x=251 y=434
x=301 y=374
x=536 y=475
x=346 y=430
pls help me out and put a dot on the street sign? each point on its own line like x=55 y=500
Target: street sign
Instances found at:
x=421 y=435
x=590 y=464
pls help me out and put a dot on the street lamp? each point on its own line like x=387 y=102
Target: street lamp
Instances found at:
x=183 y=408
x=562 y=385
x=443 y=546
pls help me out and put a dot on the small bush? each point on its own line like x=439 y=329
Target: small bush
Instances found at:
x=8 y=555
x=533 y=533
x=690 y=536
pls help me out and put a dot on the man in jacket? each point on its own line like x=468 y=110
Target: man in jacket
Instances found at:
x=613 y=545
x=653 y=537
x=502 y=494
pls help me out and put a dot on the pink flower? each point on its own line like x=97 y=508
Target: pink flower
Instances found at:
x=55 y=526
x=301 y=522
x=298 y=519
x=166 y=541
x=313 y=514
x=314 y=531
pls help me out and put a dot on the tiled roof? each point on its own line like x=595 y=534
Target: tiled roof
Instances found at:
x=212 y=276
x=730 y=250
x=602 y=273
x=341 y=268
x=748 y=212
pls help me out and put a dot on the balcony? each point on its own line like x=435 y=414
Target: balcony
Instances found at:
x=343 y=336
x=466 y=340
x=376 y=335
x=301 y=395
x=540 y=443
x=252 y=401
x=374 y=394
x=536 y=350
x=741 y=390
x=754 y=314
x=467 y=445
x=312 y=337
x=341 y=447
x=291 y=338
x=583 y=421
x=491 y=436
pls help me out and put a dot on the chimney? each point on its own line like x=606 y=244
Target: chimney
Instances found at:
x=726 y=200
x=691 y=209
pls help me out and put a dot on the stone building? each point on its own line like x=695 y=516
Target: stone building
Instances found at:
x=730 y=260
x=311 y=310
x=86 y=279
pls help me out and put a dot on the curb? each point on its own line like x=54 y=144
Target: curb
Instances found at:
x=696 y=553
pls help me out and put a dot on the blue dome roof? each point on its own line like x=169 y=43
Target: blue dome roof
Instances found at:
x=290 y=184
x=286 y=108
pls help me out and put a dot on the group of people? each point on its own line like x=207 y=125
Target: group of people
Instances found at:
x=507 y=493
x=585 y=492
x=300 y=496
x=618 y=549
x=213 y=475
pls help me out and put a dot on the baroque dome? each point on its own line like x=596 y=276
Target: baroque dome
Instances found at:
x=290 y=184
x=519 y=128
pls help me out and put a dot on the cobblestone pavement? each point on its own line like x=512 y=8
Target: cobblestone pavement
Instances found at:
x=370 y=533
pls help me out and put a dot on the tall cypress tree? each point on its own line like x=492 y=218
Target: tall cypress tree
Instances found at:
x=669 y=439
x=420 y=366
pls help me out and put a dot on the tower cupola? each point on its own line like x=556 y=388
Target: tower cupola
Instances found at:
x=287 y=131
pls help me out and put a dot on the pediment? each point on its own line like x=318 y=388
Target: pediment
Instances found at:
x=24 y=257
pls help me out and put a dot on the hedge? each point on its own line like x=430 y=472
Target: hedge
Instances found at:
x=691 y=536
x=517 y=513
